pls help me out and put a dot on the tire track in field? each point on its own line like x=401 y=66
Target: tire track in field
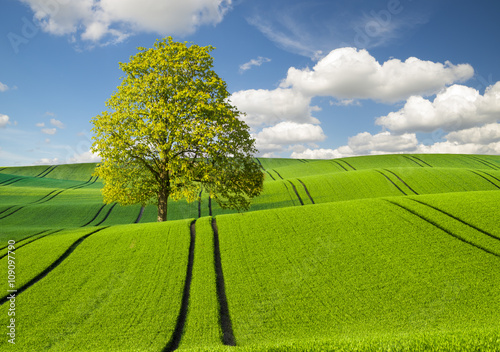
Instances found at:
x=297 y=193
x=226 y=325
x=478 y=174
x=403 y=182
x=307 y=191
x=352 y=167
x=43 y=171
x=391 y=181
x=13 y=179
x=199 y=204
x=49 y=170
x=412 y=160
x=458 y=237
x=107 y=214
x=339 y=164
x=52 y=266
x=423 y=162
x=42 y=200
x=457 y=219
x=270 y=175
x=277 y=173
x=484 y=162
x=36 y=239
x=209 y=205
x=176 y=337
x=140 y=215
x=490 y=175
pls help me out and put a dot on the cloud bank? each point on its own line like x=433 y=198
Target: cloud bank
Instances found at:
x=115 y=20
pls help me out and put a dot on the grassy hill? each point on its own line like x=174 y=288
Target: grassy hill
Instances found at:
x=375 y=253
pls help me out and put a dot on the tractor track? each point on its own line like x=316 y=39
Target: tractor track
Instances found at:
x=391 y=181
x=423 y=162
x=307 y=191
x=277 y=173
x=412 y=160
x=226 y=325
x=339 y=164
x=51 y=267
x=297 y=193
x=493 y=183
x=484 y=162
x=140 y=215
x=176 y=337
x=44 y=199
x=36 y=239
x=458 y=237
x=352 y=167
x=457 y=219
x=400 y=179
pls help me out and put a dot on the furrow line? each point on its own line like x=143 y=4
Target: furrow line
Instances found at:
x=106 y=216
x=339 y=164
x=36 y=239
x=457 y=219
x=391 y=181
x=460 y=238
x=140 y=215
x=429 y=165
x=25 y=238
x=95 y=216
x=352 y=167
x=484 y=162
x=226 y=325
x=43 y=171
x=413 y=160
x=490 y=175
x=307 y=191
x=297 y=193
x=277 y=173
x=400 y=179
x=493 y=183
x=48 y=172
x=199 y=204
x=14 y=180
x=209 y=205
x=51 y=266
x=271 y=175
x=176 y=337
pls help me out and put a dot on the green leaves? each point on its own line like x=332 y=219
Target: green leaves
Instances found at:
x=169 y=128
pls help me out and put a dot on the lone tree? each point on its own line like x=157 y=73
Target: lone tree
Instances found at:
x=170 y=132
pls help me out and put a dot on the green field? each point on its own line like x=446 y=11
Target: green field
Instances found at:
x=372 y=253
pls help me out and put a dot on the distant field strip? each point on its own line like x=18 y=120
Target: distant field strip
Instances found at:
x=467 y=235
x=485 y=162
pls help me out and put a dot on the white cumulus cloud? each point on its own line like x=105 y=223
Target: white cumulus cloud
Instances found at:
x=3 y=87
x=455 y=108
x=486 y=134
x=348 y=73
x=286 y=133
x=268 y=107
x=94 y=20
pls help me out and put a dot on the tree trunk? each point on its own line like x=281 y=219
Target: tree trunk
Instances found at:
x=162 y=205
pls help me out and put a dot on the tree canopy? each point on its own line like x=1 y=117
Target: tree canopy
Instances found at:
x=169 y=131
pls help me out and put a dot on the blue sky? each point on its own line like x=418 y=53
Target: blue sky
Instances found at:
x=317 y=79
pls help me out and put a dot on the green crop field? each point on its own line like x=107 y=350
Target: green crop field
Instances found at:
x=371 y=253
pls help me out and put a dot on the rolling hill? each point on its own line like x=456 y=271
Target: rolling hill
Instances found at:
x=372 y=253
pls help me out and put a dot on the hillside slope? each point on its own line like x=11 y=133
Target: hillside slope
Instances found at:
x=392 y=252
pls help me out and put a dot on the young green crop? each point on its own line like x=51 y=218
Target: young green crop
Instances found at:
x=119 y=290
x=366 y=269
